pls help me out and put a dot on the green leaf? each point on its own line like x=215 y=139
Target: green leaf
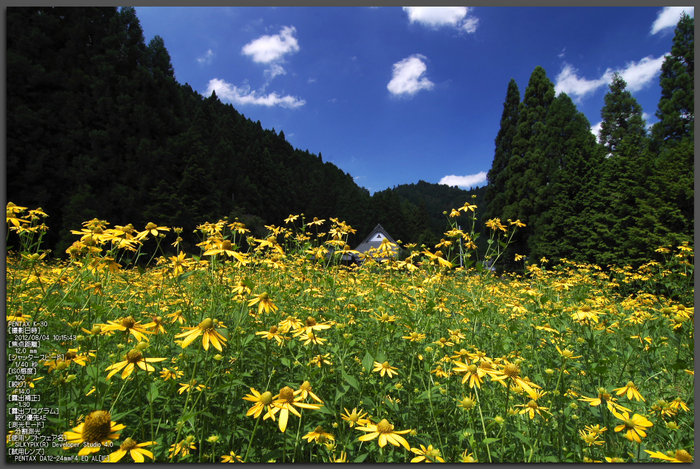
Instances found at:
x=286 y=362
x=361 y=457
x=368 y=362
x=152 y=393
x=523 y=438
x=184 y=276
x=351 y=381
x=488 y=441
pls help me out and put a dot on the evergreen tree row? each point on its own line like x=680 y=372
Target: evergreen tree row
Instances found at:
x=612 y=201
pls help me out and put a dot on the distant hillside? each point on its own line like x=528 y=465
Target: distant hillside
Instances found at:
x=422 y=208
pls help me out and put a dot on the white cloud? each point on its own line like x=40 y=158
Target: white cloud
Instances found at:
x=595 y=130
x=408 y=76
x=470 y=180
x=570 y=83
x=244 y=95
x=206 y=58
x=668 y=18
x=274 y=70
x=436 y=17
x=636 y=74
x=266 y=49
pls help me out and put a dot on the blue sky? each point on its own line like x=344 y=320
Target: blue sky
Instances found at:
x=395 y=95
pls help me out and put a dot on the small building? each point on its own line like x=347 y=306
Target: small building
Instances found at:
x=372 y=243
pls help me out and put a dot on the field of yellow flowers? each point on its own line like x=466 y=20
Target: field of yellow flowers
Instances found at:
x=278 y=352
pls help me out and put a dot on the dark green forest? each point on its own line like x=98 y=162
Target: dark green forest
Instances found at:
x=98 y=127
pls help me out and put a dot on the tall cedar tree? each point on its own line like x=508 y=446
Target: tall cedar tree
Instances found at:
x=673 y=138
x=676 y=110
x=618 y=211
x=527 y=169
x=573 y=158
x=497 y=175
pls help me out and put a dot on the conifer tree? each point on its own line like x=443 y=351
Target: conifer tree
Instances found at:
x=497 y=175
x=676 y=111
x=526 y=170
x=573 y=157
x=618 y=211
x=673 y=139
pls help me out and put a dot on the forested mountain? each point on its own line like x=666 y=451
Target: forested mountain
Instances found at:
x=609 y=202
x=98 y=127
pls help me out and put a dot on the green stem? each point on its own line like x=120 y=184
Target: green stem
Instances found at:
x=250 y=442
x=483 y=427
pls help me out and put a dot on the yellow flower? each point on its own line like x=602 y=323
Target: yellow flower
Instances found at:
x=97 y=429
x=305 y=391
x=273 y=333
x=385 y=368
x=533 y=407
x=635 y=426
x=595 y=429
x=472 y=373
x=261 y=402
x=167 y=374
x=467 y=457
x=681 y=456
x=610 y=401
x=386 y=433
x=414 y=337
x=590 y=438
x=206 y=327
x=511 y=371
x=135 y=450
x=133 y=358
x=343 y=458
x=152 y=229
x=355 y=417
x=319 y=435
x=567 y=354
x=182 y=447
x=631 y=390
x=190 y=386
x=428 y=454
x=310 y=337
x=127 y=324
x=285 y=402
x=467 y=403
x=231 y=458
x=264 y=303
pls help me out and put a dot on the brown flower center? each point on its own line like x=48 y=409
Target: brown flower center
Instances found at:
x=128 y=445
x=683 y=456
x=511 y=370
x=97 y=426
x=384 y=427
x=128 y=322
x=134 y=356
x=287 y=394
x=532 y=404
x=226 y=245
x=310 y=321
x=305 y=386
x=71 y=355
x=273 y=330
x=629 y=423
x=472 y=368
x=586 y=309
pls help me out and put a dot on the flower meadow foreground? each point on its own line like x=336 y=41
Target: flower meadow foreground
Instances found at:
x=272 y=350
